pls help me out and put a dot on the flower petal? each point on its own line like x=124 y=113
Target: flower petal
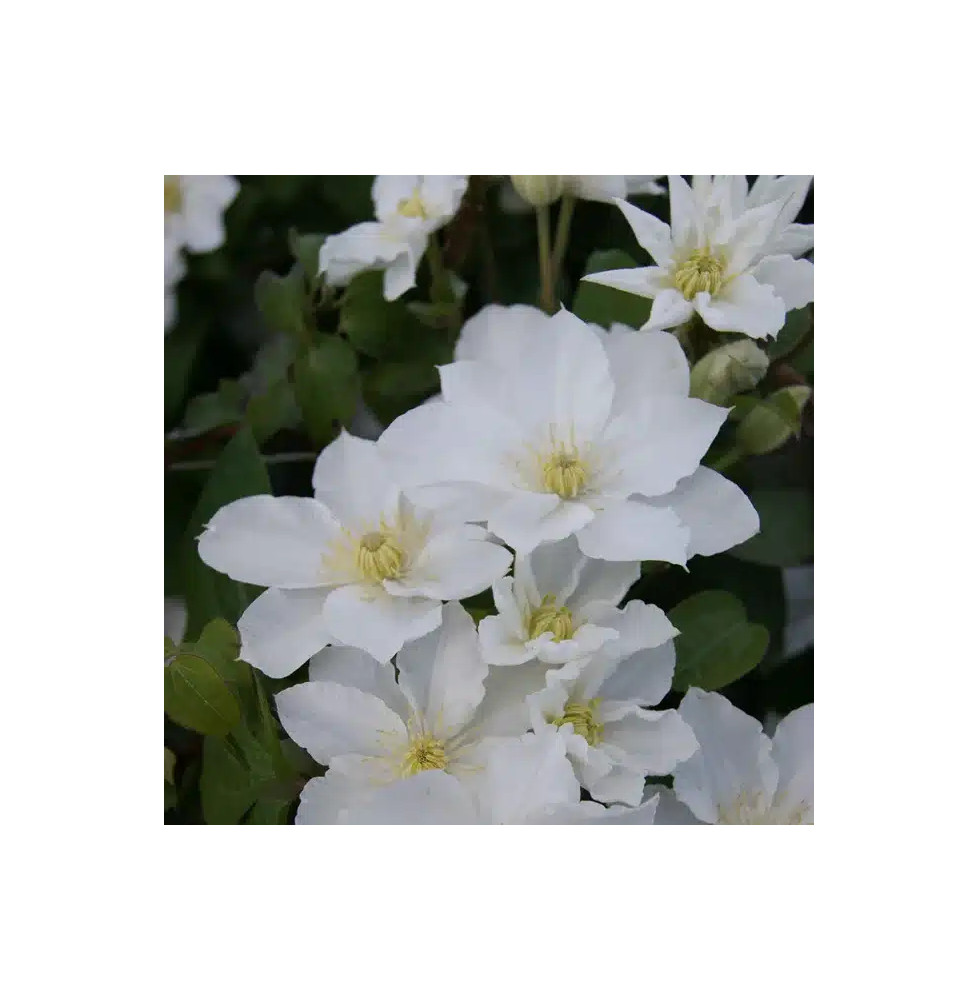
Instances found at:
x=281 y=629
x=454 y=565
x=272 y=542
x=371 y=619
x=734 y=758
x=652 y=742
x=495 y=333
x=652 y=233
x=645 y=281
x=442 y=674
x=500 y=644
x=644 y=363
x=669 y=310
x=793 y=280
x=428 y=798
x=623 y=530
x=325 y=800
x=354 y=479
x=527 y=520
x=793 y=749
x=743 y=306
x=354 y=668
x=717 y=511
x=329 y=719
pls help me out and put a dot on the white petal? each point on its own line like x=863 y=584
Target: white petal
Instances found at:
x=400 y=276
x=669 y=310
x=551 y=569
x=325 y=799
x=795 y=239
x=272 y=541
x=793 y=749
x=618 y=785
x=734 y=757
x=670 y=811
x=389 y=190
x=652 y=233
x=527 y=520
x=355 y=480
x=496 y=332
x=525 y=777
x=639 y=626
x=653 y=742
x=593 y=187
x=328 y=719
x=717 y=511
x=504 y=710
x=281 y=629
x=443 y=672
x=500 y=644
x=643 y=677
x=587 y=638
x=683 y=220
x=623 y=530
x=600 y=580
x=442 y=194
x=371 y=619
x=364 y=246
x=354 y=668
x=658 y=444
x=429 y=798
x=743 y=306
x=644 y=363
x=454 y=565
x=645 y=281
x=793 y=280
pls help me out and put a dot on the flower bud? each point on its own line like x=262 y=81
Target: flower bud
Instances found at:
x=727 y=370
x=772 y=421
x=538 y=189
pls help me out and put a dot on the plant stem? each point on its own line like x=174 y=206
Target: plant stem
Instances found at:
x=543 y=246
x=567 y=204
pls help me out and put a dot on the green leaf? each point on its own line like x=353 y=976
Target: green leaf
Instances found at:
x=169 y=762
x=271 y=811
x=600 y=304
x=797 y=326
x=787 y=535
x=327 y=387
x=272 y=410
x=196 y=697
x=716 y=645
x=281 y=300
x=214 y=409
x=239 y=472
x=376 y=327
x=236 y=772
x=179 y=353
x=305 y=248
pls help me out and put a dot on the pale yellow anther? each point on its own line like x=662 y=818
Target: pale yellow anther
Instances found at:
x=564 y=474
x=581 y=715
x=413 y=207
x=701 y=272
x=424 y=754
x=549 y=618
x=172 y=194
x=379 y=557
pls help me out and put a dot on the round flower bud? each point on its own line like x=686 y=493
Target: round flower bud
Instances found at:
x=727 y=370
x=538 y=189
x=773 y=420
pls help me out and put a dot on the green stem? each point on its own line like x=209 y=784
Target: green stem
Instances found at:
x=567 y=204
x=543 y=246
x=728 y=458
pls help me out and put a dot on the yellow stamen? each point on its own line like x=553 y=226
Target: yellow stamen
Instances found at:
x=581 y=716
x=379 y=557
x=549 y=618
x=424 y=754
x=701 y=272
x=413 y=207
x=564 y=474
x=172 y=194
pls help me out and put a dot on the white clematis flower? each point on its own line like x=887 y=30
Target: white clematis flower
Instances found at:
x=193 y=210
x=547 y=428
x=373 y=731
x=557 y=606
x=587 y=187
x=357 y=564
x=597 y=704
x=728 y=255
x=409 y=209
x=739 y=775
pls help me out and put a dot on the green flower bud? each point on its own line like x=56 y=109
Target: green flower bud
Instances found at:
x=538 y=190
x=727 y=370
x=772 y=421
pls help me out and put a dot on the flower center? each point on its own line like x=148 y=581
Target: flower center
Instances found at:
x=172 y=194
x=564 y=474
x=581 y=716
x=413 y=207
x=702 y=272
x=549 y=618
x=379 y=557
x=424 y=754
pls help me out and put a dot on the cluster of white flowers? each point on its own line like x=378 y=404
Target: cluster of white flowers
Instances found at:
x=578 y=449
x=193 y=219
